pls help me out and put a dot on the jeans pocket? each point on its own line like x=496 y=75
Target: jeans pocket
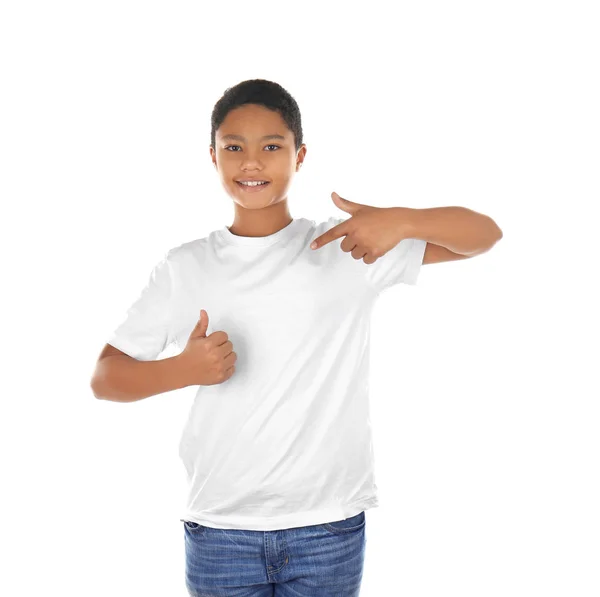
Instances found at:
x=347 y=525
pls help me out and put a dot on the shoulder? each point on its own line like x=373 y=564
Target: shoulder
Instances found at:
x=327 y=224
x=185 y=250
x=334 y=221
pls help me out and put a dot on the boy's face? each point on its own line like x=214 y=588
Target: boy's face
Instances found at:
x=255 y=157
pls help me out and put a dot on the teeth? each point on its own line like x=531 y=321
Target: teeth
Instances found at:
x=252 y=184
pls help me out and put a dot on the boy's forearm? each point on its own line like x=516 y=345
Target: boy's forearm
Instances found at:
x=121 y=378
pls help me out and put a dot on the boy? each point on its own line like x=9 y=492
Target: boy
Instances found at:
x=277 y=446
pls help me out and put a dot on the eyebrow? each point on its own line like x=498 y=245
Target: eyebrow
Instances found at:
x=240 y=138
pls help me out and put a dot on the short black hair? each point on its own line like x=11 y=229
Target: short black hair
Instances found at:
x=265 y=93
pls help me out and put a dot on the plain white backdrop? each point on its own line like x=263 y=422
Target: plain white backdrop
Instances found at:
x=484 y=400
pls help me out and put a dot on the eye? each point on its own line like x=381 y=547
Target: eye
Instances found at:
x=272 y=145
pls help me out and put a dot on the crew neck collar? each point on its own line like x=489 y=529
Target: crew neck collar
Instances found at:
x=260 y=241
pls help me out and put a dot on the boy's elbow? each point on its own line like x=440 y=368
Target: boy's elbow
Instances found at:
x=95 y=387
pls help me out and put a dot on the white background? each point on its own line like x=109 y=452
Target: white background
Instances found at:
x=484 y=402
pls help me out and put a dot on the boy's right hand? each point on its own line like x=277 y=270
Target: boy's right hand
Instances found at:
x=207 y=360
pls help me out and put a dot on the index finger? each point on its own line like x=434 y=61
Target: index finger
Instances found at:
x=331 y=234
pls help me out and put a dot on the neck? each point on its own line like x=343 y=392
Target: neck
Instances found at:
x=260 y=222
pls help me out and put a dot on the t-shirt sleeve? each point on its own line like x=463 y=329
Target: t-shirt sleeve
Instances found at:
x=400 y=265
x=145 y=330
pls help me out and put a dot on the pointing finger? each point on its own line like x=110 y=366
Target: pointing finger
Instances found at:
x=331 y=234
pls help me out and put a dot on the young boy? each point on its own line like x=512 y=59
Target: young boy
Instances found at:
x=277 y=446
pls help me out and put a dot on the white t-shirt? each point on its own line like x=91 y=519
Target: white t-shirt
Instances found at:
x=286 y=441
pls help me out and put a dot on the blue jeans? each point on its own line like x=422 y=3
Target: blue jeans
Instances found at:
x=321 y=560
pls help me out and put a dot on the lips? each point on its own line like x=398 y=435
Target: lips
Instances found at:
x=253 y=188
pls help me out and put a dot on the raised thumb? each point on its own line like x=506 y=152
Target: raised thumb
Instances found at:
x=202 y=325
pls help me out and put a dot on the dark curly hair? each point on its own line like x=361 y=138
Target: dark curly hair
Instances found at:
x=264 y=93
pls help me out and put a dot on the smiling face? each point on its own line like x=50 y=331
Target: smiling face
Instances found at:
x=254 y=143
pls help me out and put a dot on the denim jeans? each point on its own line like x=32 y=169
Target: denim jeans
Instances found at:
x=322 y=560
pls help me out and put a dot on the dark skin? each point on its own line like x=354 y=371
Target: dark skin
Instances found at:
x=276 y=160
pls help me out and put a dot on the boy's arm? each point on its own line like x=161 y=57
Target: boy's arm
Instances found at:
x=121 y=378
x=437 y=254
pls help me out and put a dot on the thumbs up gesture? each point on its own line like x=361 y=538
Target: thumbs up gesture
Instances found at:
x=207 y=360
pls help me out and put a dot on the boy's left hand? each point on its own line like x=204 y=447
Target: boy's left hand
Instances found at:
x=370 y=233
